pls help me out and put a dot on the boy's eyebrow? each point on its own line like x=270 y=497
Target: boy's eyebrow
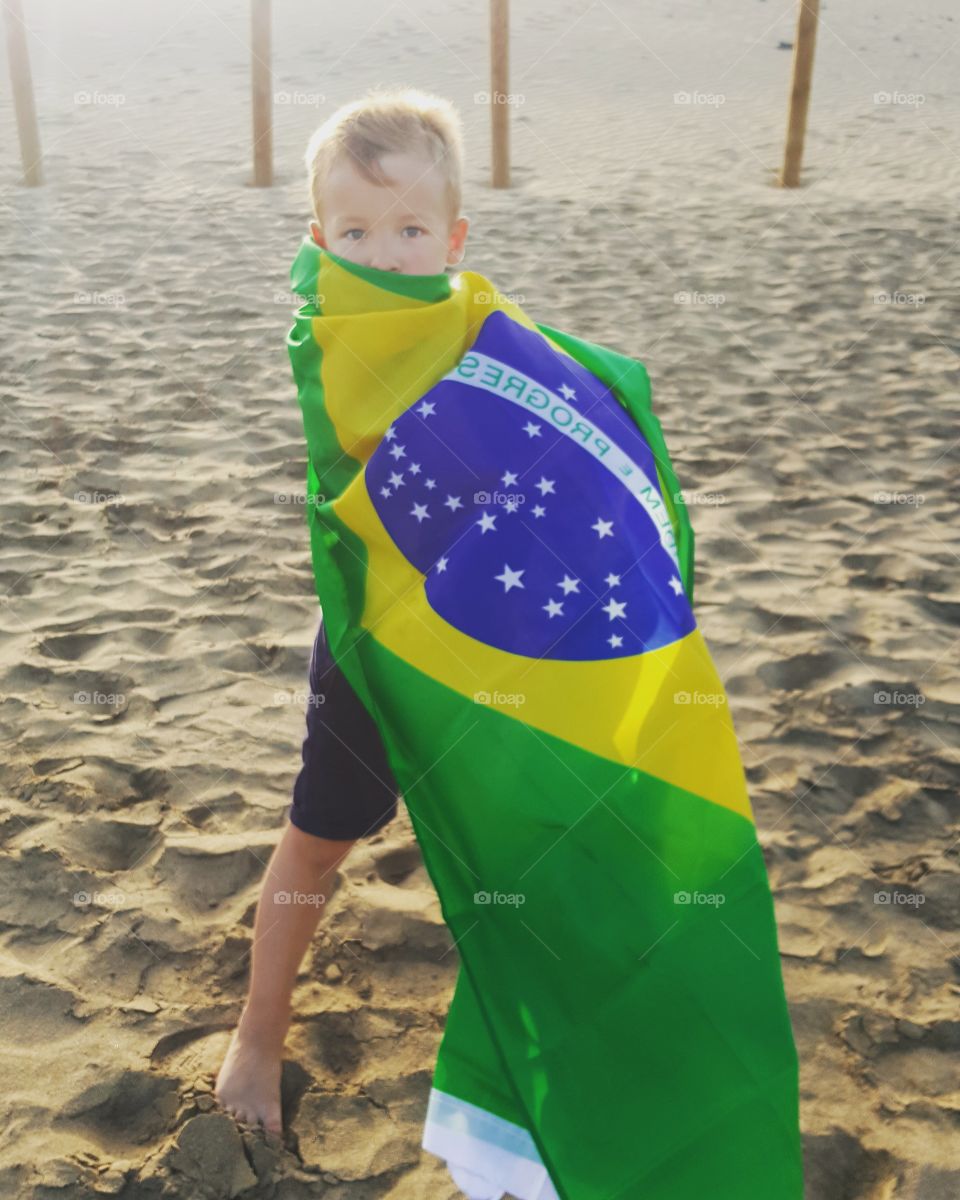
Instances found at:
x=401 y=217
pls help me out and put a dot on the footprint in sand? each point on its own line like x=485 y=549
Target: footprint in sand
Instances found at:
x=123 y=1108
x=803 y=672
x=838 y=1164
x=107 y=845
x=204 y=870
x=397 y=867
x=70 y=647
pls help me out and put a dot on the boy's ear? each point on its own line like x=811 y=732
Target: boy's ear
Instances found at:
x=458 y=238
x=317 y=234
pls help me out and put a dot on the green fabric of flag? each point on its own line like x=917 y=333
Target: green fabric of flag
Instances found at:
x=564 y=746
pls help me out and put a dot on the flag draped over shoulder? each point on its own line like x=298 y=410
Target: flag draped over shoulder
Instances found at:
x=505 y=567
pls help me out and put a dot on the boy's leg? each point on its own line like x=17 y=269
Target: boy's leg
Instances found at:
x=345 y=791
x=248 y=1084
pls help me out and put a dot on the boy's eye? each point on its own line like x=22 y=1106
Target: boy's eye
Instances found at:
x=408 y=229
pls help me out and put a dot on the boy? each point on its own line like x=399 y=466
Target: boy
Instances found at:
x=385 y=185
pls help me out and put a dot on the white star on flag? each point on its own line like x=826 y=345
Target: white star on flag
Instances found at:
x=414 y=468
x=553 y=608
x=677 y=586
x=430 y=483
x=615 y=640
x=396 y=479
x=538 y=510
x=603 y=528
x=486 y=522
x=531 y=429
x=615 y=608
x=508 y=477
x=567 y=392
x=426 y=408
x=544 y=485
x=442 y=563
x=390 y=433
x=511 y=505
x=385 y=491
x=612 y=580
x=568 y=584
x=453 y=503
x=419 y=511
x=510 y=578
x=397 y=451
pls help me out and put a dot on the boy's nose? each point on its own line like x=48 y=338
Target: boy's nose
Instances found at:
x=384 y=258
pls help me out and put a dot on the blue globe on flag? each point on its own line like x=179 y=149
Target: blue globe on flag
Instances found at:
x=529 y=499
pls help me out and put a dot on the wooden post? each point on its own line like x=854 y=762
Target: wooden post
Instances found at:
x=803 y=48
x=262 y=97
x=499 y=90
x=21 y=85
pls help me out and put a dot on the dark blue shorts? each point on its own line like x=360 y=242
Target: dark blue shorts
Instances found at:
x=345 y=789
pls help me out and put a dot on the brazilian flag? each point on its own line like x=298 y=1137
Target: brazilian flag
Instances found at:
x=505 y=567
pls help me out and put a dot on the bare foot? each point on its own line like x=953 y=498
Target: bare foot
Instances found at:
x=248 y=1085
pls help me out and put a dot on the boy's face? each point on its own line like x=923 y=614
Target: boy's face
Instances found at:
x=402 y=227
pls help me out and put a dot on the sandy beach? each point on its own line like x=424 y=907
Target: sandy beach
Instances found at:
x=157 y=607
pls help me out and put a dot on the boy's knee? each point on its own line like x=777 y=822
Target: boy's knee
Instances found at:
x=319 y=851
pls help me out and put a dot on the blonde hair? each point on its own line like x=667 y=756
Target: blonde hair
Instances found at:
x=389 y=121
